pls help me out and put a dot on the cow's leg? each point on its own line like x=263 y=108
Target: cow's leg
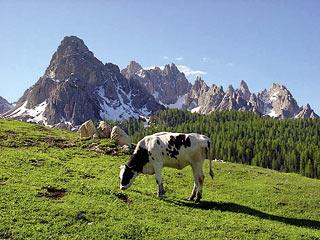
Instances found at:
x=194 y=191
x=159 y=181
x=198 y=181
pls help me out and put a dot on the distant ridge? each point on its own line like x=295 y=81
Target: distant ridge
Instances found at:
x=171 y=88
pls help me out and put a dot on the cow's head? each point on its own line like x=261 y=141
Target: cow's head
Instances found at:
x=127 y=176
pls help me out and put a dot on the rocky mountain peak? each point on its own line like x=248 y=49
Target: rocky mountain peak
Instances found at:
x=282 y=102
x=244 y=90
x=72 y=45
x=131 y=69
x=74 y=61
x=243 y=85
x=199 y=84
x=198 y=88
x=230 y=90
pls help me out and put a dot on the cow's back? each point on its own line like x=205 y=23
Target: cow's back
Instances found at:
x=177 y=150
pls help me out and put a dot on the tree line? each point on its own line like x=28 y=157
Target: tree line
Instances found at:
x=244 y=137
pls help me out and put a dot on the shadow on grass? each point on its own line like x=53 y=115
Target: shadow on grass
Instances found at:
x=236 y=208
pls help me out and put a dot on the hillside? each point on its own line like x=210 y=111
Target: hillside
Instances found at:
x=55 y=186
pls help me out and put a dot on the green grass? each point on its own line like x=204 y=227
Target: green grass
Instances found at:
x=55 y=186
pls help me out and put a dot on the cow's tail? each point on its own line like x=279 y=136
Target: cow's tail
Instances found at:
x=210 y=156
x=211 y=172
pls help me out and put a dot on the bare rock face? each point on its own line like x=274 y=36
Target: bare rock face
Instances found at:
x=87 y=129
x=76 y=86
x=103 y=130
x=120 y=137
x=167 y=85
x=4 y=105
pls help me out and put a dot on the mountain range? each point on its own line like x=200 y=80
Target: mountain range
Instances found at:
x=76 y=86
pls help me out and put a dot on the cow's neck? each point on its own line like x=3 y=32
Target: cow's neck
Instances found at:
x=139 y=159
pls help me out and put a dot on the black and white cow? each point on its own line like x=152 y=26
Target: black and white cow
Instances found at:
x=165 y=149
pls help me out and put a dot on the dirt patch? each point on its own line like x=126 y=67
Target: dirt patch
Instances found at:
x=88 y=176
x=281 y=204
x=53 y=193
x=123 y=197
x=3 y=181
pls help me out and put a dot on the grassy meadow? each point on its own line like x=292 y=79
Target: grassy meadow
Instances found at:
x=54 y=185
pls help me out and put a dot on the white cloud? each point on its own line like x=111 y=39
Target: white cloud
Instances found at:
x=187 y=71
x=230 y=64
x=153 y=67
x=179 y=58
x=165 y=58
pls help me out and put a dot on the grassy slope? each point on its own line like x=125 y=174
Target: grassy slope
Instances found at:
x=242 y=202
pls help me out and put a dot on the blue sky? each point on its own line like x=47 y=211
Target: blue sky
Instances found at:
x=225 y=41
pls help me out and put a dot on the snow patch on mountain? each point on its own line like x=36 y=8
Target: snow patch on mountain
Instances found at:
x=34 y=114
x=177 y=104
x=196 y=109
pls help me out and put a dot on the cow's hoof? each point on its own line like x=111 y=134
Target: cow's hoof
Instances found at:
x=199 y=196
x=160 y=194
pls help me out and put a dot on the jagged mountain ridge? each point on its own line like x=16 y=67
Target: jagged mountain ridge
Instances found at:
x=4 y=105
x=278 y=102
x=76 y=87
x=176 y=91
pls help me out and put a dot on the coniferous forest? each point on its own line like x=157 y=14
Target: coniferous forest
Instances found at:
x=239 y=136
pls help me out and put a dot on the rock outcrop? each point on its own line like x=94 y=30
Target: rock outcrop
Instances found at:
x=120 y=137
x=103 y=130
x=87 y=129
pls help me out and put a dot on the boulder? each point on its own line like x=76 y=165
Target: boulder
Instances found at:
x=120 y=136
x=103 y=130
x=87 y=129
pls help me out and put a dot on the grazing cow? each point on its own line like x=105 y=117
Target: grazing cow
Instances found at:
x=165 y=149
